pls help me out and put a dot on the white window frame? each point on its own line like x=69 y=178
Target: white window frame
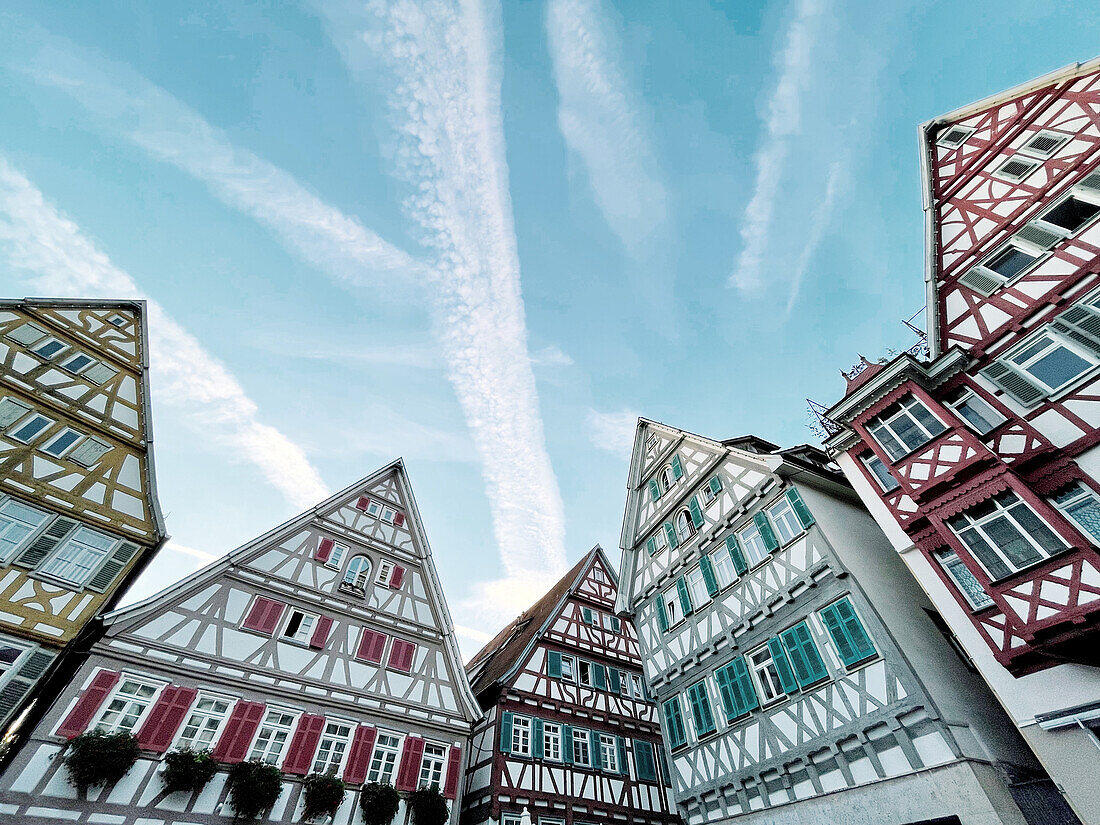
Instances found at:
x=673 y=609
x=660 y=541
x=752 y=543
x=336 y=557
x=1047 y=133
x=955 y=569
x=385 y=572
x=383 y=759
x=365 y=575
x=510 y=819
x=1001 y=511
x=61 y=563
x=723 y=568
x=23 y=423
x=685 y=528
x=72 y=445
x=583 y=667
x=869 y=461
x=1056 y=340
x=584 y=740
x=256 y=751
x=969 y=397
x=1081 y=195
x=200 y=718
x=40 y=345
x=968 y=132
x=904 y=407
x=8 y=522
x=521 y=735
x=569 y=667
x=697 y=587
x=551 y=741
x=708 y=495
x=388 y=514
x=303 y=632
x=598 y=575
x=667 y=479
x=1031 y=163
x=66 y=365
x=769 y=689
x=1036 y=253
x=129 y=701
x=784 y=521
x=1072 y=499
x=333 y=747
x=432 y=764
x=636 y=686
x=609 y=753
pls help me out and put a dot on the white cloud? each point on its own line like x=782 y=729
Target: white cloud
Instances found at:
x=604 y=121
x=551 y=356
x=613 y=432
x=823 y=214
x=50 y=251
x=795 y=64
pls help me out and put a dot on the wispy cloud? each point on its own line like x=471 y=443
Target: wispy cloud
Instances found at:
x=613 y=432
x=823 y=214
x=795 y=64
x=57 y=259
x=604 y=120
x=551 y=356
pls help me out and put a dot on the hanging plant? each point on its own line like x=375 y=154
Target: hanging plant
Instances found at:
x=428 y=807
x=253 y=788
x=378 y=803
x=188 y=770
x=98 y=758
x=323 y=795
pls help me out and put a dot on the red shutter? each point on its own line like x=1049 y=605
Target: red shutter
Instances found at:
x=371 y=646
x=363 y=503
x=398 y=519
x=409 y=772
x=299 y=755
x=165 y=718
x=397 y=577
x=264 y=615
x=320 y=634
x=233 y=744
x=454 y=760
x=401 y=656
x=362 y=746
x=324 y=550
x=81 y=715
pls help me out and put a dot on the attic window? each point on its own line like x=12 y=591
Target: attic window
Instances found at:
x=954 y=137
x=1016 y=168
x=1044 y=144
x=117 y=321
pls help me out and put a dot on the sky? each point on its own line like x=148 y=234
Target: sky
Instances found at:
x=483 y=237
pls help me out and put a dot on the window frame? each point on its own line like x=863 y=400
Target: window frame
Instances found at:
x=991 y=542
x=697 y=587
x=667 y=478
x=34 y=532
x=436 y=768
x=968 y=132
x=336 y=556
x=14 y=430
x=77 y=354
x=674 y=611
x=1061 y=137
x=569 y=662
x=904 y=406
x=752 y=541
x=869 y=460
x=786 y=518
x=193 y=711
x=72 y=445
x=42 y=344
x=1074 y=193
x=966 y=396
x=636 y=687
x=609 y=752
x=385 y=572
x=1032 y=164
x=582 y=664
x=1057 y=339
x=584 y=739
x=354 y=582
x=284 y=744
x=310 y=628
x=762 y=688
x=522 y=731
x=116 y=691
x=380 y=769
x=1036 y=253
x=949 y=561
x=43 y=570
x=1079 y=494
x=552 y=733
x=328 y=765
x=720 y=560
x=685 y=529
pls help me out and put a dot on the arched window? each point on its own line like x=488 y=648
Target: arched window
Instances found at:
x=668 y=478
x=684 y=528
x=358 y=573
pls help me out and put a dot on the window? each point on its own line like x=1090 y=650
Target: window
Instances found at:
x=521 y=736
x=753 y=543
x=336 y=556
x=9 y=654
x=964 y=580
x=598 y=575
x=585 y=671
x=384 y=758
x=698 y=587
x=581 y=752
x=673 y=609
x=333 y=746
x=11 y=411
x=609 y=753
x=881 y=473
x=49 y=348
x=62 y=443
x=203 y=723
x=30 y=428
x=723 y=567
x=117 y=321
x=954 y=136
x=766 y=675
x=1005 y=535
x=17 y=522
x=299 y=627
x=976 y=412
x=1016 y=168
x=701 y=713
x=668 y=478
x=904 y=427
x=1044 y=144
x=1071 y=214
x=385 y=573
x=358 y=573
x=431 y=766
x=786 y=523
x=511 y=819
x=272 y=737
x=684 y=528
x=551 y=741
x=127 y=706
x=568 y=670
x=1078 y=502
x=75 y=560
x=636 y=686
x=89 y=452
x=78 y=362
x=1010 y=261
x=660 y=541
x=388 y=514
x=674 y=722
x=1052 y=361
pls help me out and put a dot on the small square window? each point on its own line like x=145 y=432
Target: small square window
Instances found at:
x=954 y=136
x=78 y=363
x=31 y=428
x=117 y=321
x=1071 y=214
x=49 y=348
x=1044 y=144
x=568 y=668
x=63 y=442
x=1016 y=168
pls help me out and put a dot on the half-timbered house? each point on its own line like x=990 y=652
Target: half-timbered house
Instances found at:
x=801 y=674
x=323 y=646
x=979 y=457
x=79 y=516
x=570 y=733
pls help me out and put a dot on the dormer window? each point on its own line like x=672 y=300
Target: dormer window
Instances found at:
x=684 y=528
x=904 y=427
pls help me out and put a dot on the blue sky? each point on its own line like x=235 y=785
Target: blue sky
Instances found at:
x=483 y=237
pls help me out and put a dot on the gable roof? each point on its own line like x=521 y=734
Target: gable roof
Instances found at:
x=509 y=648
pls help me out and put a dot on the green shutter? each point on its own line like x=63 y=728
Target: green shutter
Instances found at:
x=685 y=597
x=620 y=744
x=766 y=532
x=536 y=738
x=696 y=513
x=567 y=744
x=736 y=556
x=594 y=750
x=586 y=615
x=673 y=539
x=799 y=506
x=654 y=490
x=599 y=677
x=851 y=640
x=677 y=467
x=662 y=618
x=709 y=578
x=782 y=666
x=735 y=686
x=506 y=732
x=645 y=766
x=674 y=722
x=666 y=772
x=701 y=713
x=805 y=658
x=553 y=664
x=716 y=485
x=613 y=679
x=651 y=545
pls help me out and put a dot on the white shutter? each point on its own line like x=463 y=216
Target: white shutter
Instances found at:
x=42 y=546
x=27 y=334
x=1039 y=236
x=1022 y=389
x=32 y=665
x=89 y=452
x=113 y=565
x=982 y=280
x=11 y=411
x=99 y=373
x=1016 y=168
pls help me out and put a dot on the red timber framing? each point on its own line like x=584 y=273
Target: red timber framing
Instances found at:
x=567 y=671
x=1048 y=612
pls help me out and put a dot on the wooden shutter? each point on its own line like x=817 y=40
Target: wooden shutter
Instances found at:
x=852 y=642
x=662 y=618
x=362 y=746
x=536 y=738
x=670 y=531
x=599 y=677
x=685 y=596
x=782 y=666
x=454 y=764
x=620 y=745
x=320 y=633
x=108 y=571
x=700 y=709
x=165 y=718
x=586 y=615
x=86 y=706
x=401 y=656
x=594 y=750
x=233 y=743
x=674 y=722
x=409 y=772
x=324 y=550
x=666 y=773
x=709 y=578
x=363 y=503
x=766 y=532
x=397 y=577
x=398 y=519
x=553 y=664
x=614 y=680
x=733 y=547
x=677 y=467
x=264 y=615
x=1016 y=384
x=20 y=683
x=567 y=744
x=651 y=545
x=696 y=512
x=735 y=686
x=715 y=485
x=506 y=732
x=805 y=658
x=644 y=765
x=654 y=490
x=805 y=517
x=372 y=645
x=50 y=538
x=303 y=745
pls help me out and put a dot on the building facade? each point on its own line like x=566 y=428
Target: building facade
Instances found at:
x=980 y=461
x=802 y=675
x=79 y=516
x=570 y=734
x=323 y=646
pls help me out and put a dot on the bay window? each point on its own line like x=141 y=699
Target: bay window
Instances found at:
x=904 y=427
x=964 y=580
x=1082 y=505
x=1005 y=535
x=976 y=412
x=881 y=473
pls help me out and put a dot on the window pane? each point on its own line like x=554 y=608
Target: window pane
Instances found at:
x=1011 y=542
x=60 y=444
x=1086 y=512
x=31 y=428
x=1058 y=367
x=880 y=471
x=17 y=521
x=926 y=419
x=965 y=580
x=1035 y=528
x=1011 y=262
x=892 y=446
x=1071 y=214
x=906 y=429
x=984 y=553
x=978 y=414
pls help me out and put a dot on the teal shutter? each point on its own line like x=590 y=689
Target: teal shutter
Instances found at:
x=736 y=556
x=716 y=485
x=766 y=532
x=613 y=679
x=673 y=539
x=677 y=467
x=851 y=640
x=696 y=513
x=654 y=490
x=586 y=615
x=594 y=748
x=782 y=666
x=567 y=744
x=735 y=687
x=645 y=767
x=662 y=618
x=553 y=664
x=674 y=722
x=709 y=578
x=725 y=692
x=599 y=677
x=805 y=517
x=536 y=738
x=651 y=545
x=666 y=773
x=808 y=664
x=620 y=744
x=506 y=732
x=701 y=713
x=685 y=597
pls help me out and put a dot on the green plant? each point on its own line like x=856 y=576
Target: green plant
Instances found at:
x=188 y=770
x=428 y=806
x=378 y=803
x=323 y=795
x=253 y=788
x=98 y=758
